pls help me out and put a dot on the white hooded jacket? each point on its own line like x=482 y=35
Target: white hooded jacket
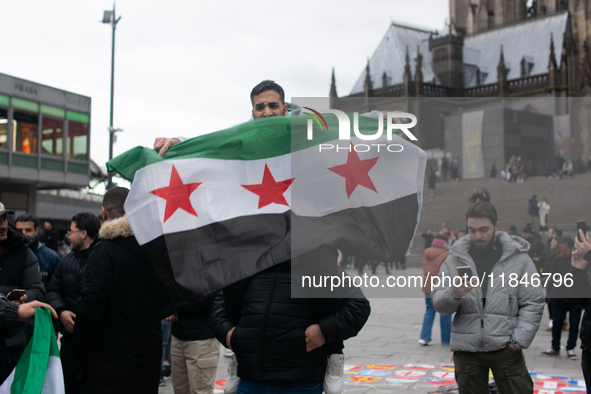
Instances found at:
x=513 y=310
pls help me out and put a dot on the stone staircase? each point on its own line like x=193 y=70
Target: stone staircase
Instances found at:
x=569 y=199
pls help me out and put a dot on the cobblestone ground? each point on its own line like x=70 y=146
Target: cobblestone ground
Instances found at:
x=389 y=339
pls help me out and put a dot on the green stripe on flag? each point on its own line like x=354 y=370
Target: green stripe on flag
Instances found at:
x=30 y=371
x=254 y=140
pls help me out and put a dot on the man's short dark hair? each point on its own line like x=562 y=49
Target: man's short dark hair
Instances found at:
x=567 y=241
x=557 y=232
x=267 y=84
x=25 y=217
x=114 y=200
x=89 y=222
x=482 y=209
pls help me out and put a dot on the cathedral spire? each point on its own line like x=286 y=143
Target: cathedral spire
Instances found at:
x=419 y=73
x=502 y=75
x=407 y=78
x=553 y=73
x=552 y=61
x=368 y=87
x=333 y=86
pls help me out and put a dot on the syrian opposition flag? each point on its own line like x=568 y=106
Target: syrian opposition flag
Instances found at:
x=223 y=206
x=39 y=370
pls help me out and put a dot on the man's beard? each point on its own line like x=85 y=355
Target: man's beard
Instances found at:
x=487 y=246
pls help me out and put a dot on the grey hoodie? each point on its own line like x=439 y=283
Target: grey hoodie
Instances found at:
x=512 y=313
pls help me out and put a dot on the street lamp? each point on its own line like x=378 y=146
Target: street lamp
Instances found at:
x=110 y=18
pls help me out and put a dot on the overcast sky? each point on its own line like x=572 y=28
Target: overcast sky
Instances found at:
x=187 y=67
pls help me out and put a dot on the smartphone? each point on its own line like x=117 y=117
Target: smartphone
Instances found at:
x=465 y=271
x=581 y=225
x=15 y=294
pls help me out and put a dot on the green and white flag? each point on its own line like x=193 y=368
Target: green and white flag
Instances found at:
x=39 y=370
x=221 y=207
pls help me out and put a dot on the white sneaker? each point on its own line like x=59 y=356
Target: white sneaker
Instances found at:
x=422 y=342
x=231 y=385
x=228 y=353
x=571 y=354
x=333 y=379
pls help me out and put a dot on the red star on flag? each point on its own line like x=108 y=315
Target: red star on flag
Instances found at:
x=177 y=195
x=270 y=191
x=356 y=172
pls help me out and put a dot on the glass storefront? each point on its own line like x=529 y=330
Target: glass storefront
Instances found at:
x=52 y=142
x=3 y=127
x=25 y=131
x=78 y=140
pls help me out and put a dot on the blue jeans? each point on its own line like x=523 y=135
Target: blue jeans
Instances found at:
x=444 y=323
x=257 y=387
x=166 y=332
x=444 y=175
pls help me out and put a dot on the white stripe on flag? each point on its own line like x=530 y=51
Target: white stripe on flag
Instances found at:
x=315 y=192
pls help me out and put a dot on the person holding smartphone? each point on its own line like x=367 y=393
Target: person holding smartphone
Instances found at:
x=582 y=279
x=493 y=322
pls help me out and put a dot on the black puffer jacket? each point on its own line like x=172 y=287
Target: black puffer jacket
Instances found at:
x=269 y=339
x=65 y=286
x=19 y=270
x=117 y=337
x=194 y=319
x=8 y=328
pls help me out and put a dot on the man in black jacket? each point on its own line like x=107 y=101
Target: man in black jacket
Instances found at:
x=582 y=280
x=535 y=246
x=65 y=286
x=282 y=342
x=19 y=271
x=194 y=349
x=117 y=335
x=52 y=236
x=563 y=304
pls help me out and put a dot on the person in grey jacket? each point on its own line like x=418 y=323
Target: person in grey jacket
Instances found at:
x=495 y=321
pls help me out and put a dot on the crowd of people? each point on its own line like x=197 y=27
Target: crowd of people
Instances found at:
x=560 y=167
x=513 y=171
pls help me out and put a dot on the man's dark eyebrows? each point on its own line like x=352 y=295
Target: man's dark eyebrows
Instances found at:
x=481 y=228
x=270 y=104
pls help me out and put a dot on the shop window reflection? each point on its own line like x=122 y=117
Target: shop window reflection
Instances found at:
x=52 y=136
x=78 y=140
x=25 y=132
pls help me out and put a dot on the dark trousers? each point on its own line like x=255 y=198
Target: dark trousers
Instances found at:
x=507 y=365
x=559 y=310
x=69 y=366
x=586 y=366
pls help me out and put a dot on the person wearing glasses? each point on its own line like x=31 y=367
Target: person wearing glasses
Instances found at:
x=66 y=284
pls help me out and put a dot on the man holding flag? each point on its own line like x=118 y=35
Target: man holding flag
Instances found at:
x=268 y=100
x=219 y=209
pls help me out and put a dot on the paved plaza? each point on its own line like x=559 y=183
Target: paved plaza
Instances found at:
x=389 y=339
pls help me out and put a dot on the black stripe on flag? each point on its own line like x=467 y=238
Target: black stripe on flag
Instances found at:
x=198 y=262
